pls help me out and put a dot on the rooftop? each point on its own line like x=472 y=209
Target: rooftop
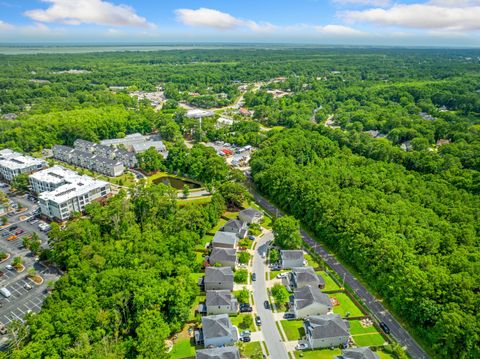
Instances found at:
x=55 y=174
x=291 y=254
x=219 y=297
x=215 y=326
x=218 y=353
x=225 y=238
x=326 y=326
x=309 y=295
x=218 y=274
x=14 y=160
x=358 y=353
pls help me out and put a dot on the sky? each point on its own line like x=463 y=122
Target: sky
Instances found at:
x=324 y=22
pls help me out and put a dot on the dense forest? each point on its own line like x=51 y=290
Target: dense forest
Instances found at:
x=414 y=238
x=376 y=151
x=127 y=285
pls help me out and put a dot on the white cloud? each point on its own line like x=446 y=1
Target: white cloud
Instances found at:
x=339 y=30
x=461 y=15
x=381 y=3
x=99 y=12
x=5 y=26
x=211 y=18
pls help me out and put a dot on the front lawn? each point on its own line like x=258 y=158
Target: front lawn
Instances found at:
x=345 y=305
x=369 y=340
x=384 y=355
x=238 y=322
x=219 y=225
x=293 y=329
x=330 y=284
x=230 y=215
x=251 y=349
x=274 y=273
x=317 y=354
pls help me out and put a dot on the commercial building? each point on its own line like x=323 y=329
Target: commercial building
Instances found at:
x=13 y=163
x=63 y=192
x=137 y=143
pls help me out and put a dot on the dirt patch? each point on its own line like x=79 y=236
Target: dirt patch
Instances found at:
x=334 y=301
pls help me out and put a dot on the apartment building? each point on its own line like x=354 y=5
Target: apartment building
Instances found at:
x=13 y=163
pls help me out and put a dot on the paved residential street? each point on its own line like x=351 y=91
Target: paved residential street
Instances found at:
x=270 y=332
x=379 y=311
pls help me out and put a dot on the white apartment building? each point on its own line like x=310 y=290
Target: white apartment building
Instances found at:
x=13 y=163
x=63 y=192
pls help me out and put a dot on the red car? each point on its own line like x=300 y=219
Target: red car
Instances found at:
x=19 y=231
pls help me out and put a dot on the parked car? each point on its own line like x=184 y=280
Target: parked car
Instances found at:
x=5 y=234
x=5 y=292
x=266 y=304
x=385 y=327
x=27 y=286
x=254 y=277
x=301 y=346
x=19 y=231
x=258 y=321
x=252 y=238
x=246 y=309
x=245 y=339
x=245 y=333
x=12 y=237
x=3 y=329
x=12 y=228
x=281 y=275
x=289 y=316
x=9 y=267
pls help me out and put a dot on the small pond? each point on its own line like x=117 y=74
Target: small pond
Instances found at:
x=177 y=183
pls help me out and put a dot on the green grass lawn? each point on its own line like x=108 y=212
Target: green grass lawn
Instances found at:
x=317 y=354
x=274 y=273
x=220 y=224
x=356 y=328
x=311 y=262
x=195 y=276
x=346 y=306
x=250 y=349
x=368 y=340
x=293 y=329
x=384 y=355
x=330 y=284
x=230 y=215
x=183 y=348
x=237 y=320
x=191 y=315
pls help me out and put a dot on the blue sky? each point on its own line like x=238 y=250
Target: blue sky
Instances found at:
x=345 y=22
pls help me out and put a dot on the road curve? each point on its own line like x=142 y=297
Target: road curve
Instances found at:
x=375 y=307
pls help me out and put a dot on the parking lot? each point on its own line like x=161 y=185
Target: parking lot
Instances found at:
x=26 y=296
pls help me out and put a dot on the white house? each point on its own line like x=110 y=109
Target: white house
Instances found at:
x=221 y=302
x=326 y=331
x=309 y=301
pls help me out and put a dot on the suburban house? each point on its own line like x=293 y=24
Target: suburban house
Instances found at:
x=227 y=257
x=358 y=353
x=218 y=278
x=221 y=302
x=231 y=352
x=300 y=277
x=236 y=226
x=326 y=331
x=309 y=301
x=292 y=259
x=250 y=215
x=217 y=331
x=224 y=240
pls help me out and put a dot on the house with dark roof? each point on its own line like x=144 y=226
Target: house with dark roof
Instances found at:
x=217 y=331
x=309 y=301
x=292 y=259
x=326 y=331
x=221 y=302
x=218 y=278
x=300 y=277
x=224 y=240
x=250 y=215
x=230 y=352
x=236 y=226
x=358 y=353
x=226 y=257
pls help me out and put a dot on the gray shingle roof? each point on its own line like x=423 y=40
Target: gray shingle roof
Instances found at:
x=218 y=353
x=234 y=224
x=218 y=274
x=219 y=297
x=251 y=213
x=306 y=275
x=215 y=326
x=291 y=254
x=309 y=295
x=225 y=238
x=223 y=255
x=326 y=326
x=359 y=353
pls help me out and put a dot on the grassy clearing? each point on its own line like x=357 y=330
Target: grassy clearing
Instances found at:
x=196 y=200
x=293 y=329
x=274 y=273
x=345 y=306
x=199 y=299
x=384 y=355
x=368 y=340
x=330 y=284
x=356 y=328
x=219 y=225
x=251 y=349
x=183 y=347
x=238 y=319
x=318 y=354
x=230 y=215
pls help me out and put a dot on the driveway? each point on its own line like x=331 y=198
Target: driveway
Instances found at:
x=270 y=332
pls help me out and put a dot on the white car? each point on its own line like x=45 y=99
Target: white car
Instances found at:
x=301 y=346
x=281 y=275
